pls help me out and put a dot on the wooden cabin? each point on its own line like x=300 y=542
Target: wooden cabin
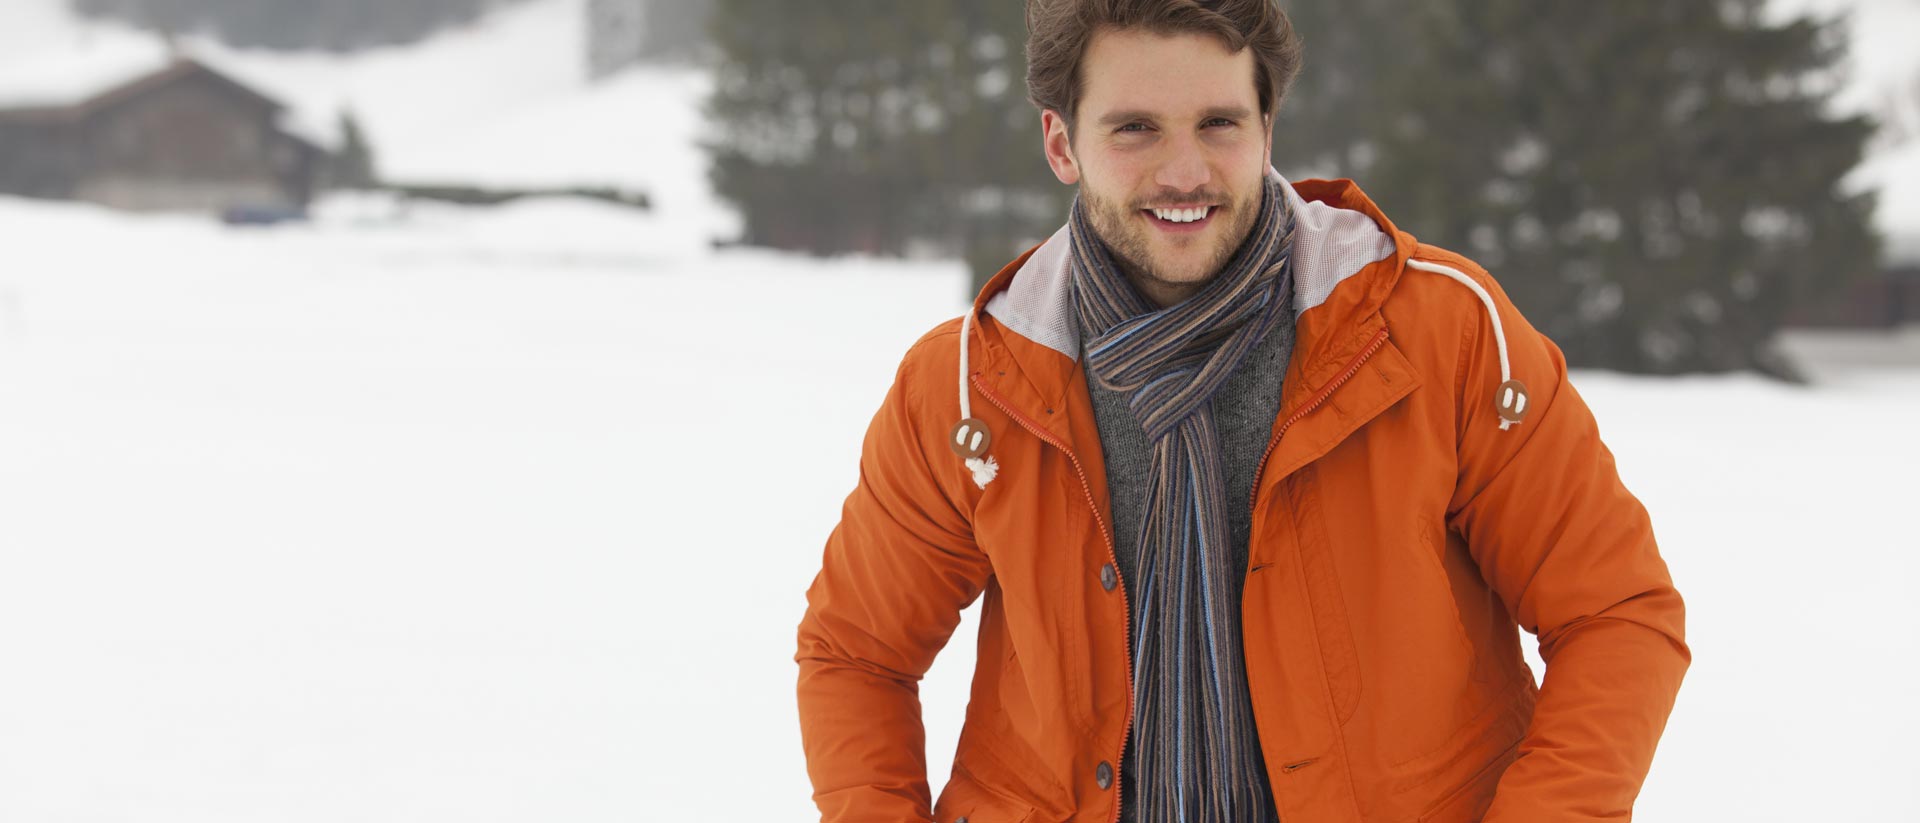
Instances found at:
x=181 y=136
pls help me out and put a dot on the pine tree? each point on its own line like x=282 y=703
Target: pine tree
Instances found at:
x=353 y=166
x=675 y=30
x=855 y=125
x=1655 y=184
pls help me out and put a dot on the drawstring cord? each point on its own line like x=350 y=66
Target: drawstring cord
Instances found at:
x=970 y=437
x=1511 y=397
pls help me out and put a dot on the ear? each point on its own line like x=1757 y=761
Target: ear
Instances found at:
x=1059 y=147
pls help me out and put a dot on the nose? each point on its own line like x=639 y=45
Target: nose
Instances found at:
x=1184 y=168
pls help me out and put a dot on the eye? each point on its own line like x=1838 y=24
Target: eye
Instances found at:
x=1220 y=120
x=1130 y=127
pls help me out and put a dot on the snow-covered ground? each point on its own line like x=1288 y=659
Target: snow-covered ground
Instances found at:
x=508 y=514
x=444 y=522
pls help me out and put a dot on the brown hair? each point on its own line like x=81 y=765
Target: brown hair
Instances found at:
x=1058 y=32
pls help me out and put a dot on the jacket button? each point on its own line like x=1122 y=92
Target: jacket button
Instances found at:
x=959 y=820
x=1108 y=579
x=1103 y=774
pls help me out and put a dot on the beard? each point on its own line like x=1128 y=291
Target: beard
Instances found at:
x=1130 y=239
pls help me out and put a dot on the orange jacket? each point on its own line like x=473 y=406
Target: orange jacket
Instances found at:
x=1399 y=535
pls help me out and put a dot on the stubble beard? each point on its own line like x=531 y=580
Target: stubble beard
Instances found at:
x=1128 y=240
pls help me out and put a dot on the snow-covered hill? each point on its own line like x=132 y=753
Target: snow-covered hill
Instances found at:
x=505 y=101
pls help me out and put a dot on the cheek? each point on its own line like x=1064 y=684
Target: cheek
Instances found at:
x=1118 y=173
x=1243 y=158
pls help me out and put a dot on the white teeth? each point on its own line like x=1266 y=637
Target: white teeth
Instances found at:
x=1182 y=215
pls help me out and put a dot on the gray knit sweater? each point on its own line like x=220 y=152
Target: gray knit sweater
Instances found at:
x=1244 y=409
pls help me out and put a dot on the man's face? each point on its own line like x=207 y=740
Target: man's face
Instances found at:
x=1165 y=122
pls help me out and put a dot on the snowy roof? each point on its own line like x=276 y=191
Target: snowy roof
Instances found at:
x=105 y=63
x=71 y=76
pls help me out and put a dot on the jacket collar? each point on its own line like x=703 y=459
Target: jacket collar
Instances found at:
x=1347 y=258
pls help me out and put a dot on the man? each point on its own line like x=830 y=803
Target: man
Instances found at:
x=1256 y=487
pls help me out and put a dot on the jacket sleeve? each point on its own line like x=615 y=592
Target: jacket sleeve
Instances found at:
x=894 y=577
x=1571 y=553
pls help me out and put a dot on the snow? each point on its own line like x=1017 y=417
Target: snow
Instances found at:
x=1895 y=173
x=496 y=514
x=1782 y=515
x=504 y=101
x=422 y=513
x=430 y=520
x=507 y=102
x=412 y=99
x=107 y=58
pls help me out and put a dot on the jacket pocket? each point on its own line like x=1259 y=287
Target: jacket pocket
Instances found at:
x=1339 y=654
x=1431 y=559
x=1468 y=802
x=965 y=798
x=1496 y=729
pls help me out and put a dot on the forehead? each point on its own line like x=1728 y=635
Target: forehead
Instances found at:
x=1168 y=75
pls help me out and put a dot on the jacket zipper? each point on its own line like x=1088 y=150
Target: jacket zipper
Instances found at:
x=1125 y=611
x=1379 y=339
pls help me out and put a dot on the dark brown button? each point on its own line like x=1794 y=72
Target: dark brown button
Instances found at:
x=1511 y=398
x=1103 y=775
x=1107 y=577
x=970 y=438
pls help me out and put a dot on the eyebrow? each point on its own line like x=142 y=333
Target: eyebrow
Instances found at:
x=1123 y=117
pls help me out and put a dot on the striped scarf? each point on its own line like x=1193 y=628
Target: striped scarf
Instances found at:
x=1197 y=749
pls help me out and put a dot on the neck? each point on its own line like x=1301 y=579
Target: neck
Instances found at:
x=1162 y=293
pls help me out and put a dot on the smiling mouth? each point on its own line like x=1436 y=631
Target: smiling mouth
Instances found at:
x=1181 y=219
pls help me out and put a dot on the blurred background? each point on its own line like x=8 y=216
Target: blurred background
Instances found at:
x=419 y=410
